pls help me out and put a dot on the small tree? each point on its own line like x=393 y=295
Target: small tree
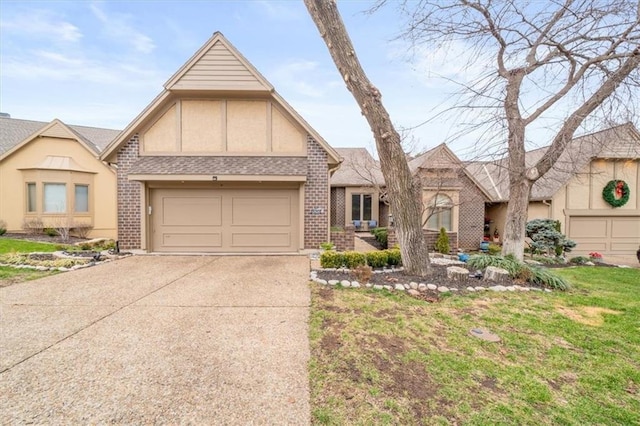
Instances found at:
x=546 y=237
x=442 y=243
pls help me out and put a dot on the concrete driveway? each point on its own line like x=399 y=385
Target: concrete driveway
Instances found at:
x=159 y=339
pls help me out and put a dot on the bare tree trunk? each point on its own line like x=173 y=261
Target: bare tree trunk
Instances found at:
x=404 y=192
x=517 y=211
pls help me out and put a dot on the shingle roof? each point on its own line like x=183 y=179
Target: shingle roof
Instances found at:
x=200 y=165
x=619 y=142
x=358 y=168
x=13 y=131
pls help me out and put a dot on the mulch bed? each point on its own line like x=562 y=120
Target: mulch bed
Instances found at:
x=438 y=277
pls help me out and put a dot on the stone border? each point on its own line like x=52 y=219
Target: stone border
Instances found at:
x=108 y=258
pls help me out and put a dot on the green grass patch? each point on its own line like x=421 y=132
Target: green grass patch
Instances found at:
x=565 y=357
x=8 y=245
x=9 y=275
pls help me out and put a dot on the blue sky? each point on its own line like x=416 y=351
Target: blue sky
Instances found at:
x=101 y=63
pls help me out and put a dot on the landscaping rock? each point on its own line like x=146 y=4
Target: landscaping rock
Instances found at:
x=413 y=285
x=422 y=287
x=480 y=288
x=345 y=283
x=471 y=289
x=432 y=286
x=355 y=284
x=443 y=289
x=413 y=292
x=456 y=273
x=377 y=287
x=399 y=287
x=321 y=281
x=388 y=287
x=498 y=288
x=496 y=275
x=333 y=282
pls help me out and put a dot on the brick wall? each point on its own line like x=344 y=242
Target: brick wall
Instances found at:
x=429 y=235
x=316 y=196
x=471 y=220
x=344 y=240
x=129 y=220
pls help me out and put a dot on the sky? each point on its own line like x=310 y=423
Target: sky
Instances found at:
x=101 y=63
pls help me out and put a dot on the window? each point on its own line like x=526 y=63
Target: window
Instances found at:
x=31 y=197
x=55 y=197
x=82 y=199
x=439 y=209
x=361 y=205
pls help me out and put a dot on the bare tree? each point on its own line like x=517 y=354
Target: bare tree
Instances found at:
x=404 y=190
x=562 y=60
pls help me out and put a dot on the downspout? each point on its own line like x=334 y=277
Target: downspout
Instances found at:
x=550 y=212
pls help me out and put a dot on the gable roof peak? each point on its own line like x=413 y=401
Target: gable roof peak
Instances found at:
x=218 y=65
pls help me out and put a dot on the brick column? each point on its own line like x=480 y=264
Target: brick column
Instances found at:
x=316 y=196
x=129 y=221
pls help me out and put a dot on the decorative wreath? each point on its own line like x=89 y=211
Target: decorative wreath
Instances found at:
x=616 y=193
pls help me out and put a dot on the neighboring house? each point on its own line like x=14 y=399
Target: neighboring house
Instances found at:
x=50 y=176
x=452 y=198
x=219 y=162
x=571 y=192
x=356 y=190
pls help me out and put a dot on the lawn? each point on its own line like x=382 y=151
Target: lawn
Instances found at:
x=10 y=275
x=8 y=245
x=565 y=358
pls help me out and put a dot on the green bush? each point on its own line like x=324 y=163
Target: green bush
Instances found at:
x=51 y=232
x=546 y=237
x=3 y=227
x=494 y=249
x=327 y=246
x=354 y=258
x=534 y=275
x=332 y=259
x=545 y=278
x=394 y=256
x=377 y=259
x=579 y=260
x=442 y=243
x=381 y=235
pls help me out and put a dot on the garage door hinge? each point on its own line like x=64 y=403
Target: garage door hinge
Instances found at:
x=150 y=210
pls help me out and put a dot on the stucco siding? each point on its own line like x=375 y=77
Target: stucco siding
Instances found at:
x=35 y=163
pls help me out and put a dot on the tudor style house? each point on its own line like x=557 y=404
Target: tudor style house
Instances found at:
x=219 y=162
x=50 y=175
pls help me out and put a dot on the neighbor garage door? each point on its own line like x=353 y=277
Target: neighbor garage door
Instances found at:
x=605 y=234
x=224 y=220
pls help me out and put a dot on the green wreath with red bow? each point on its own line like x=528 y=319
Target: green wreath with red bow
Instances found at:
x=616 y=193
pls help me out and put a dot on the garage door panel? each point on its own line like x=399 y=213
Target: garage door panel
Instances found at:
x=186 y=239
x=265 y=240
x=626 y=247
x=202 y=211
x=625 y=228
x=261 y=211
x=588 y=228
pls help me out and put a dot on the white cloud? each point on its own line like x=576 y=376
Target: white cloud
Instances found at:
x=42 y=24
x=117 y=27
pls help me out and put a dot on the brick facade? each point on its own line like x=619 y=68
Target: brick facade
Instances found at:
x=344 y=240
x=471 y=220
x=429 y=235
x=316 y=196
x=129 y=220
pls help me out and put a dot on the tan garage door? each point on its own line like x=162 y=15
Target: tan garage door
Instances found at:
x=605 y=234
x=224 y=220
